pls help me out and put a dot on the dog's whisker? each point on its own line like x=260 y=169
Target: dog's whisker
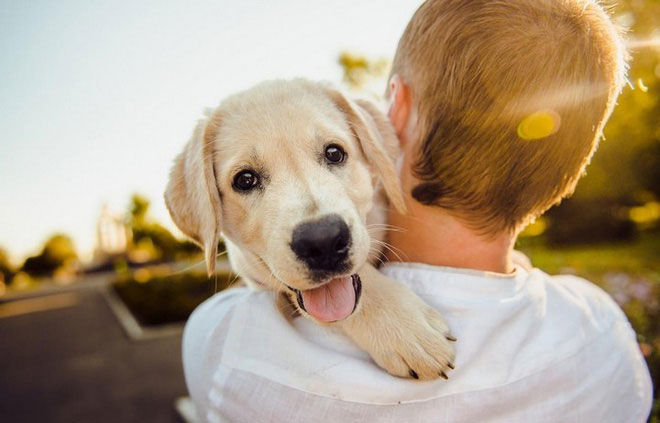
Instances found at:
x=376 y=256
x=187 y=268
x=384 y=226
x=393 y=249
x=385 y=229
x=377 y=225
x=390 y=248
x=279 y=284
x=271 y=277
x=377 y=259
x=231 y=283
x=372 y=231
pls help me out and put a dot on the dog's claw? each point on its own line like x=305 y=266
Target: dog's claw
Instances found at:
x=444 y=375
x=420 y=343
x=450 y=365
x=450 y=338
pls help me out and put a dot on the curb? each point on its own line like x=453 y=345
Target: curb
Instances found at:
x=129 y=323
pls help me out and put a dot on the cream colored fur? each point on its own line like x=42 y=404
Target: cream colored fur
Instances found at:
x=280 y=128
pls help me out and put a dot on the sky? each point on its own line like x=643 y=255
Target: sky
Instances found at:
x=97 y=98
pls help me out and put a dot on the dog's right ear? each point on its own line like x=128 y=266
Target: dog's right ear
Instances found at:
x=192 y=196
x=376 y=136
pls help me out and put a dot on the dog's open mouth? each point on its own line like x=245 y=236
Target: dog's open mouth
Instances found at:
x=334 y=301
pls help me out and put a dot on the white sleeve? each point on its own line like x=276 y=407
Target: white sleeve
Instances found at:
x=199 y=354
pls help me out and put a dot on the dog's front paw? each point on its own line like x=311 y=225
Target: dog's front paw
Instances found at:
x=420 y=346
x=402 y=334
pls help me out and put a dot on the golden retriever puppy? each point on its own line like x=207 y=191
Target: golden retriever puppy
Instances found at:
x=297 y=178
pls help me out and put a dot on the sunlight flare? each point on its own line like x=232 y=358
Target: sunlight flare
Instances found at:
x=647 y=43
x=539 y=125
x=640 y=84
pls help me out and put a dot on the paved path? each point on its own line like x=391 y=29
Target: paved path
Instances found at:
x=65 y=358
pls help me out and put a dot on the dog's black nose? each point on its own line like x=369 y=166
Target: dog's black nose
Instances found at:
x=322 y=244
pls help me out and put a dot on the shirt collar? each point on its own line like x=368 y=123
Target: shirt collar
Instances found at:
x=457 y=282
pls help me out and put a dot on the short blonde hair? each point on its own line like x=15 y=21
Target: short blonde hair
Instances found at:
x=480 y=70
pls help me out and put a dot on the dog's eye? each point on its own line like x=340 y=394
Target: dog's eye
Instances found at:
x=334 y=154
x=245 y=180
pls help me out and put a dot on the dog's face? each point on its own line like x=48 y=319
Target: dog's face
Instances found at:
x=287 y=171
x=295 y=186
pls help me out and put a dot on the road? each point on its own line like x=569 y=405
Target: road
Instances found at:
x=65 y=358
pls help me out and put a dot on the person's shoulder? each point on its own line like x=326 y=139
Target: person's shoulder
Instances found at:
x=210 y=315
x=580 y=294
x=602 y=347
x=206 y=333
x=601 y=329
x=219 y=304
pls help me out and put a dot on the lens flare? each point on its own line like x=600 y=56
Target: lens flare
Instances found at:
x=641 y=86
x=645 y=43
x=539 y=125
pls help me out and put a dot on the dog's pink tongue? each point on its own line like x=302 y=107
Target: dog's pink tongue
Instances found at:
x=331 y=302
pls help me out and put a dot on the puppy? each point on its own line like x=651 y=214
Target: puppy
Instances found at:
x=297 y=177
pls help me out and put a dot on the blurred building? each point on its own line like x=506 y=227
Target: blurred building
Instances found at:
x=112 y=236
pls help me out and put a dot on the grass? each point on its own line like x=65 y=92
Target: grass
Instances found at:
x=638 y=259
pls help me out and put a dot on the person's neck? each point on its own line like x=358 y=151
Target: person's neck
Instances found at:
x=431 y=236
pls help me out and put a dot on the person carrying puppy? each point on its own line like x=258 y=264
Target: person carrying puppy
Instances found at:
x=499 y=106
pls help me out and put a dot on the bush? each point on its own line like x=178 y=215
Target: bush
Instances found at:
x=155 y=239
x=577 y=222
x=6 y=271
x=57 y=252
x=168 y=299
x=648 y=163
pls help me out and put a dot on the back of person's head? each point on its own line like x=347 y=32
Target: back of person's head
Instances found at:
x=512 y=97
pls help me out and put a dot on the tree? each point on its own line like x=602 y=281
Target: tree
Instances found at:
x=634 y=128
x=150 y=235
x=57 y=252
x=625 y=171
x=138 y=210
x=364 y=74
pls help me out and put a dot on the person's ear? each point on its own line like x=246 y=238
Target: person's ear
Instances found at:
x=400 y=107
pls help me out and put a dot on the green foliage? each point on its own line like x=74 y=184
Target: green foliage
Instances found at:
x=56 y=253
x=589 y=221
x=633 y=132
x=138 y=210
x=625 y=171
x=152 y=236
x=167 y=246
x=648 y=164
x=359 y=71
x=639 y=259
x=161 y=300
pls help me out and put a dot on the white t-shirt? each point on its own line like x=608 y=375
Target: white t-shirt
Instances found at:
x=531 y=348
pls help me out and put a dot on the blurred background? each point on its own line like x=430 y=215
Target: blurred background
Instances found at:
x=96 y=99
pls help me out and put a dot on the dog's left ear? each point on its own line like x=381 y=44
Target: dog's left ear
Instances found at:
x=192 y=195
x=378 y=141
